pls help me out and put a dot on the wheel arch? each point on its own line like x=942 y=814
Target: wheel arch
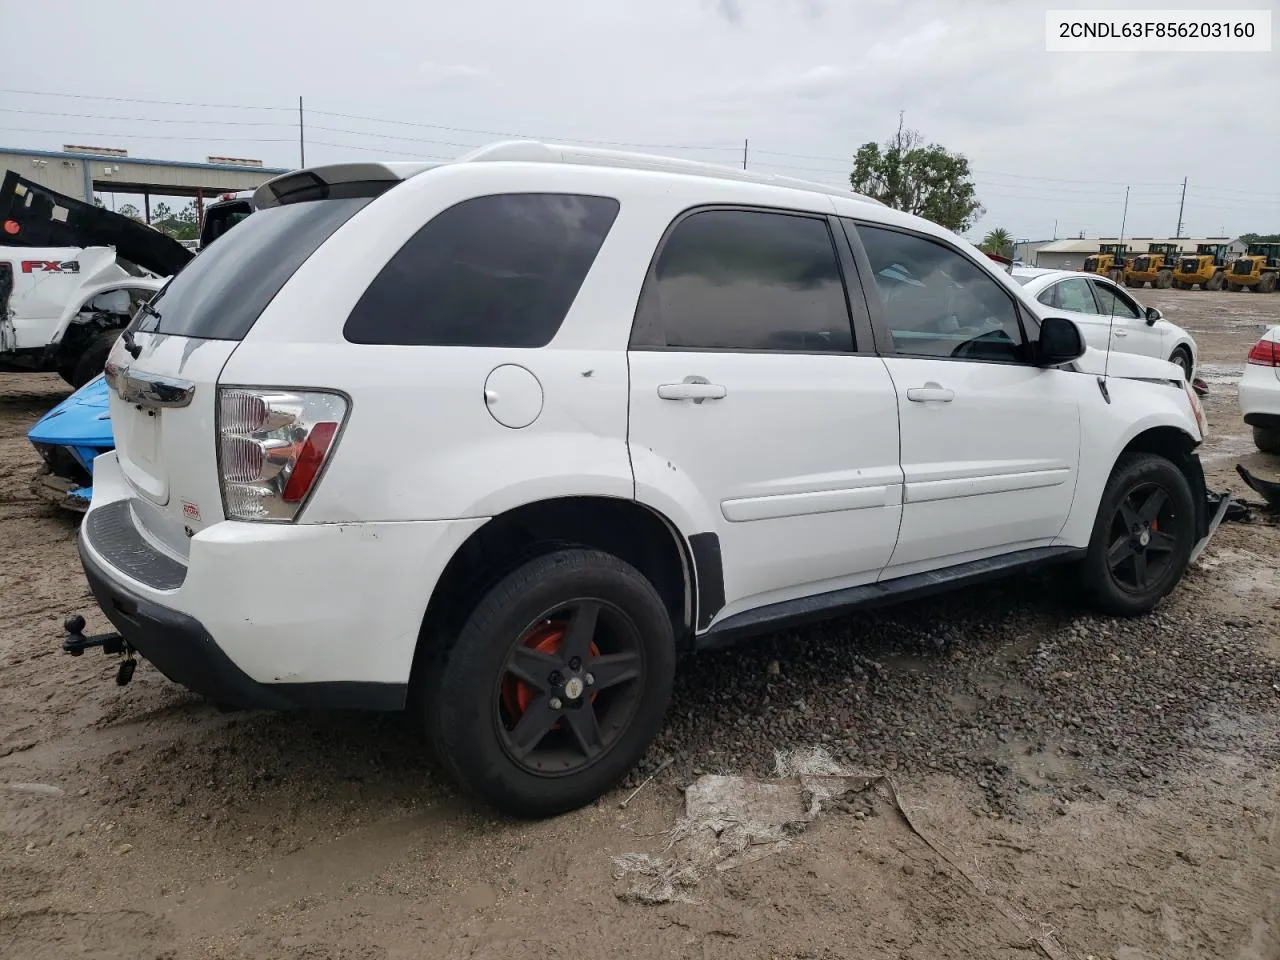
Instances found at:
x=85 y=295
x=685 y=569
x=1179 y=447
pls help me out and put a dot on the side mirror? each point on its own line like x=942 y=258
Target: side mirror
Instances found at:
x=1060 y=342
x=1153 y=314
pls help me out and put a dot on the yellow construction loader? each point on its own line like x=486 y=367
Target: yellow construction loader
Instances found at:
x=1108 y=261
x=1258 y=269
x=1155 y=266
x=1207 y=267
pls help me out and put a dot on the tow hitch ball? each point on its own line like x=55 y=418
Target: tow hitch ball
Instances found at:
x=76 y=643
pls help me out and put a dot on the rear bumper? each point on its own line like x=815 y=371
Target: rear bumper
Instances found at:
x=1260 y=395
x=269 y=615
x=178 y=645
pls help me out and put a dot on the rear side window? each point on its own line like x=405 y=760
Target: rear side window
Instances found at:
x=493 y=271
x=746 y=280
x=220 y=293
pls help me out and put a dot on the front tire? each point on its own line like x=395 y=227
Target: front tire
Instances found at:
x=1215 y=282
x=1267 y=439
x=1182 y=357
x=557 y=684
x=1142 y=536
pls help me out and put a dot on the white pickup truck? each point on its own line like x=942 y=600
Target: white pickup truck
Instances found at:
x=71 y=277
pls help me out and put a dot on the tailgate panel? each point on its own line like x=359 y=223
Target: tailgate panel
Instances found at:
x=163 y=406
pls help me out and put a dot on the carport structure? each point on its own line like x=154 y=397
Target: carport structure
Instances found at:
x=79 y=171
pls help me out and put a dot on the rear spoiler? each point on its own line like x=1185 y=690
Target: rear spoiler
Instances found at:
x=32 y=215
x=1008 y=263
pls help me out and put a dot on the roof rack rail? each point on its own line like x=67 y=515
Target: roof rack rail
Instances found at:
x=535 y=151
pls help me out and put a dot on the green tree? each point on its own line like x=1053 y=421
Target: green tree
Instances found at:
x=1260 y=237
x=180 y=225
x=130 y=211
x=924 y=179
x=998 y=241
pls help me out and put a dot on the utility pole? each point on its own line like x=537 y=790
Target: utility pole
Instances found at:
x=1124 y=218
x=1181 y=204
x=302 y=143
x=1055 y=229
x=744 y=154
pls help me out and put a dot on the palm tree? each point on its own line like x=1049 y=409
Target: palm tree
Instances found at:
x=998 y=241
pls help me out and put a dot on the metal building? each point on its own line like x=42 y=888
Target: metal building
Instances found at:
x=1070 y=254
x=79 y=171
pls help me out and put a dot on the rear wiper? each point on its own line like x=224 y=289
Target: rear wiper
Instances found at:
x=127 y=336
x=130 y=344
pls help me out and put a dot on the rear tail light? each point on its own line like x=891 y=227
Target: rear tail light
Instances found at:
x=1265 y=353
x=272 y=447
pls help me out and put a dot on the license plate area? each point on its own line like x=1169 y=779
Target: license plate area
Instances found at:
x=139 y=452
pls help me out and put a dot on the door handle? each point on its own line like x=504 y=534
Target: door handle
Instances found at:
x=930 y=391
x=693 y=388
x=1120 y=333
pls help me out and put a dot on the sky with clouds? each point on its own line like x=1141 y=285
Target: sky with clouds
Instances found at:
x=1052 y=137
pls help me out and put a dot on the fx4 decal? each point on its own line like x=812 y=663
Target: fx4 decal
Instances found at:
x=50 y=266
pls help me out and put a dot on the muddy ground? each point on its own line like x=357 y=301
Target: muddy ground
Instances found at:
x=1088 y=787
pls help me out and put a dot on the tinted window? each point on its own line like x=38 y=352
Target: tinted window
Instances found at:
x=1074 y=295
x=220 y=293
x=938 y=303
x=746 y=280
x=496 y=271
x=220 y=218
x=1111 y=302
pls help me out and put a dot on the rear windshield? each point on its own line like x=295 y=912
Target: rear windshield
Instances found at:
x=219 y=294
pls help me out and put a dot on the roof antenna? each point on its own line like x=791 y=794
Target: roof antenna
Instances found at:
x=1111 y=321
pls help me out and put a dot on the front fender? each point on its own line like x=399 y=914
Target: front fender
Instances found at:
x=1136 y=409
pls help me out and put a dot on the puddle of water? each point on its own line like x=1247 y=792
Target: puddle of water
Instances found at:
x=1226 y=447
x=1221 y=372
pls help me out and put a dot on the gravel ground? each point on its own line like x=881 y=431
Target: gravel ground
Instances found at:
x=1115 y=784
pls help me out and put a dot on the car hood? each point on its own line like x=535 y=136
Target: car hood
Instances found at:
x=35 y=216
x=1130 y=366
x=83 y=419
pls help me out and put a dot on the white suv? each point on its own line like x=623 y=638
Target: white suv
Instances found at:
x=500 y=439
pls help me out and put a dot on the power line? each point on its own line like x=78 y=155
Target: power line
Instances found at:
x=94 y=116
x=167 y=103
x=152 y=136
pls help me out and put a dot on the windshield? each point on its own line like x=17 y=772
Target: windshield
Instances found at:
x=219 y=295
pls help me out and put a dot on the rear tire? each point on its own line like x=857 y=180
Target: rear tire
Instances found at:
x=1267 y=284
x=1215 y=282
x=94 y=358
x=1267 y=439
x=1142 y=536
x=533 y=715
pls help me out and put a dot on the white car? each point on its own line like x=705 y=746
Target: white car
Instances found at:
x=1260 y=391
x=1107 y=313
x=498 y=440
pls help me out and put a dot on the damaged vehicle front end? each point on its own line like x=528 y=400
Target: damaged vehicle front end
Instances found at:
x=68 y=438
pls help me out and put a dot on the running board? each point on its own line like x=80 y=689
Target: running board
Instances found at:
x=824 y=606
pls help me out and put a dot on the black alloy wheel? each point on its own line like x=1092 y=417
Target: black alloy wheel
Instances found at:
x=569 y=687
x=1144 y=538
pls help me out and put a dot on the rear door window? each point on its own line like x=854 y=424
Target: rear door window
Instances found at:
x=219 y=294
x=744 y=280
x=493 y=271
